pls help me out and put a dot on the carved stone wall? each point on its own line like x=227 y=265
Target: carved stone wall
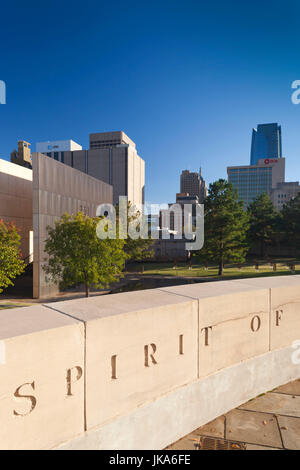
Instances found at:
x=142 y=369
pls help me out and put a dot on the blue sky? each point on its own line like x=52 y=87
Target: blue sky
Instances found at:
x=186 y=81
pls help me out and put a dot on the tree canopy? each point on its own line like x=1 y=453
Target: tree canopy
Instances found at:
x=263 y=222
x=225 y=226
x=77 y=255
x=11 y=263
x=290 y=223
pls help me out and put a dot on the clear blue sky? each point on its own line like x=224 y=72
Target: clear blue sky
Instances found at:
x=185 y=80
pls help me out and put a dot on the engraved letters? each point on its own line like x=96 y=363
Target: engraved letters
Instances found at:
x=181 y=344
x=279 y=314
x=70 y=380
x=146 y=351
x=31 y=398
x=207 y=329
x=255 y=323
x=113 y=367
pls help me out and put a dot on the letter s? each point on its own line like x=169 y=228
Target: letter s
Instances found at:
x=29 y=397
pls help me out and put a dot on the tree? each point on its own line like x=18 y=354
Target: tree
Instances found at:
x=225 y=226
x=11 y=263
x=77 y=255
x=263 y=222
x=291 y=223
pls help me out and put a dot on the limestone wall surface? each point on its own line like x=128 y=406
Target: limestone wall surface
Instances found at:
x=139 y=370
x=16 y=201
x=58 y=189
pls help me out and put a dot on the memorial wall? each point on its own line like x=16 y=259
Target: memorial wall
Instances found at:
x=16 y=202
x=141 y=369
x=58 y=189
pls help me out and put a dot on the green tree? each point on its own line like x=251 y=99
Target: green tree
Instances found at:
x=290 y=223
x=225 y=226
x=263 y=222
x=11 y=263
x=77 y=255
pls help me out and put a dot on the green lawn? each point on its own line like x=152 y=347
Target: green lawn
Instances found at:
x=230 y=271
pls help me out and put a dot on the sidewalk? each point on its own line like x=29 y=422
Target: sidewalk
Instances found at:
x=269 y=422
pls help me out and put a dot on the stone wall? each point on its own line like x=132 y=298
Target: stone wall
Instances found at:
x=139 y=370
x=16 y=201
x=58 y=189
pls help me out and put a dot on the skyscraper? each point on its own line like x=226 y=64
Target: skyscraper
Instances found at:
x=112 y=158
x=266 y=142
x=193 y=184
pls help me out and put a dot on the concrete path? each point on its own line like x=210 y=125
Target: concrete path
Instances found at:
x=269 y=422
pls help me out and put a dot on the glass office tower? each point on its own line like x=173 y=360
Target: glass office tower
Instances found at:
x=266 y=142
x=251 y=181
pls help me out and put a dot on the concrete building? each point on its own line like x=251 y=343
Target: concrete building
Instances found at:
x=252 y=180
x=58 y=189
x=283 y=193
x=266 y=142
x=193 y=184
x=56 y=148
x=101 y=140
x=22 y=156
x=16 y=203
x=34 y=199
x=112 y=158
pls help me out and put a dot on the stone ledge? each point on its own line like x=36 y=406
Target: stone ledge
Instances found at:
x=165 y=420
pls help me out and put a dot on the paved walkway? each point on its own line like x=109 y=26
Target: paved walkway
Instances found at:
x=269 y=422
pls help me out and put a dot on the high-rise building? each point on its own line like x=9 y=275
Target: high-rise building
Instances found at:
x=193 y=184
x=283 y=193
x=102 y=140
x=266 y=142
x=22 y=156
x=112 y=158
x=252 y=180
x=56 y=148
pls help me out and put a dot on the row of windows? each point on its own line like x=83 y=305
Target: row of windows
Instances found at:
x=55 y=155
x=251 y=170
x=105 y=141
x=250 y=178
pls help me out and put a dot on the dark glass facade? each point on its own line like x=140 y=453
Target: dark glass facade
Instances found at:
x=266 y=142
x=250 y=182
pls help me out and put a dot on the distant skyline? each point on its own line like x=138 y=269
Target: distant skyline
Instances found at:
x=186 y=82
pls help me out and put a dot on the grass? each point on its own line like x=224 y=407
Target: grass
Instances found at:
x=5 y=306
x=230 y=271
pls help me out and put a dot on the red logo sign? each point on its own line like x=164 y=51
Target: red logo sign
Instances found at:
x=268 y=161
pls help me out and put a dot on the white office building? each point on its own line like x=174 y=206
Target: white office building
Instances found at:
x=56 y=148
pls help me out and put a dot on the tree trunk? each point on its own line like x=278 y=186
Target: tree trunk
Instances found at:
x=221 y=260
x=87 y=290
x=221 y=267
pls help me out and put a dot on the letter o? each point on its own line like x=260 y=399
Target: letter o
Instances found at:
x=255 y=327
